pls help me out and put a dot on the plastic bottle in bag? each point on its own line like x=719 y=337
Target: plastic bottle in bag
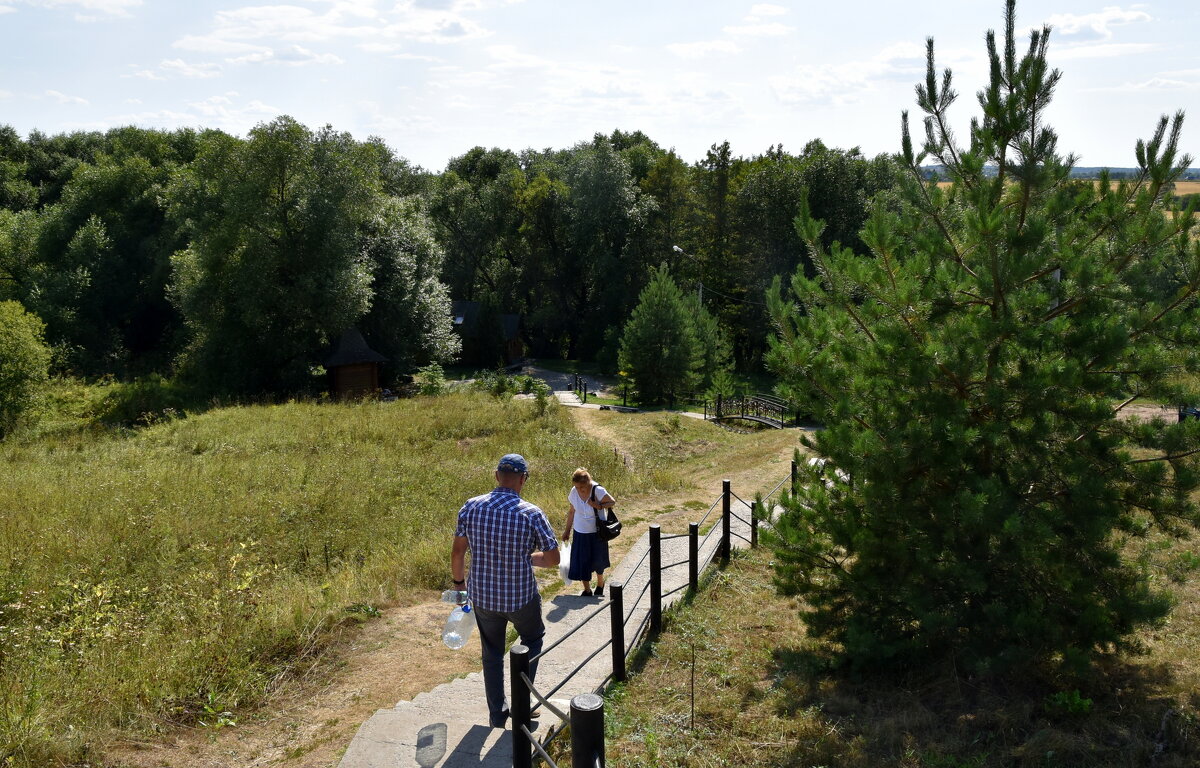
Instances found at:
x=458 y=627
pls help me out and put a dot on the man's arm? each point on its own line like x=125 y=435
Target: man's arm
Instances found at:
x=544 y=537
x=458 y=562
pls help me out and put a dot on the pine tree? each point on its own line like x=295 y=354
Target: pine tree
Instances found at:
x=971 y=371
x=659 y=350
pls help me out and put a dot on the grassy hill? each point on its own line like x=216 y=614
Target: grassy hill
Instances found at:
x=170 y=575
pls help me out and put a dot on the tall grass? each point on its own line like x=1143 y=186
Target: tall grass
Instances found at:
x=173 y=573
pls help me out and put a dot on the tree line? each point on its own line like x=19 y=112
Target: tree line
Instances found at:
x=234 y=262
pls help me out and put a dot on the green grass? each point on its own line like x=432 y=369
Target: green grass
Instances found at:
x=765 y=695
x=164 y=575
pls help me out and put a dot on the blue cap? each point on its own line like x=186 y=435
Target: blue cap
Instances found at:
x=513 y=462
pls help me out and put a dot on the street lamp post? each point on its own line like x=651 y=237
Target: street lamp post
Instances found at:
x=700 y=291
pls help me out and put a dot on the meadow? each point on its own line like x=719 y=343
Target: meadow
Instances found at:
x=173 y=574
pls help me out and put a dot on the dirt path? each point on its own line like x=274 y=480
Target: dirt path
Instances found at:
x=309 y=721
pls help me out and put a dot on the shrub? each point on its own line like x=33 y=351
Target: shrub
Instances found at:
x=24 y=362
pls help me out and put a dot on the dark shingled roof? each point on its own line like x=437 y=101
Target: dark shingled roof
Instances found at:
x=351 y=349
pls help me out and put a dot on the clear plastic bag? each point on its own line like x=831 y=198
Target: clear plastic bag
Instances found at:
x=564 y=562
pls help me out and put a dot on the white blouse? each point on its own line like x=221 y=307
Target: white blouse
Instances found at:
x=585 y=516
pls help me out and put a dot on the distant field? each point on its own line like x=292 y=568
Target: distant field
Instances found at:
x=1181 y=187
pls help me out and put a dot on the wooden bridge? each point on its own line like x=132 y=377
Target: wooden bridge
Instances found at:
x=764 y=409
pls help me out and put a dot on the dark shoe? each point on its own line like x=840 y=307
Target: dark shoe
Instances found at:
x=599 y=592
x=586 y=593
x=500 y=721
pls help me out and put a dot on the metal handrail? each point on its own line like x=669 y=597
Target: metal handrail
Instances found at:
x=575 y=629
x=680 y=588
x=637 y=600
x=637 y=633
x=575 y=671
x=639 y=563
x=776 y=488
x=529 y=684
x=710 y=510
x=538 y=747
x=673 y=536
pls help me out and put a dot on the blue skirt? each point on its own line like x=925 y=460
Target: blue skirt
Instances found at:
x=589 y=554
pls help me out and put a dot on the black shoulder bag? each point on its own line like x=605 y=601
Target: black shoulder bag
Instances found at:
x=608 y=528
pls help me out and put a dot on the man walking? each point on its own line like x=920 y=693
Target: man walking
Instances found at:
x=507 y=537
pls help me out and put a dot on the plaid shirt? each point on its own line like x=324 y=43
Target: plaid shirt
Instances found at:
x=502 y=531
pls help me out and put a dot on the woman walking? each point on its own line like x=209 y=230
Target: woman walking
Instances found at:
x=589 y=553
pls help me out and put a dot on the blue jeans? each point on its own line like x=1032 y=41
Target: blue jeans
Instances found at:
x=493 y=627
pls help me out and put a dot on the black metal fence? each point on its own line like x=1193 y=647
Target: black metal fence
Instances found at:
x=586 y=717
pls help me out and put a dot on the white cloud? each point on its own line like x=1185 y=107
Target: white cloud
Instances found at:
x=224 y=112
x=1178 y=80
x=63 y=98
x=1100 y=51
x=1096 y=26
x=217 y=46
x=5 y=94
x=847 y=83
x=766 y=9
x=133 y=101
x=259 y=29
x=7 y=9
x=298 y=56
x=774 y=29
x=108 y=7
x=508 y=57
x=703 y=48
x=146 y=74
x=183 y=69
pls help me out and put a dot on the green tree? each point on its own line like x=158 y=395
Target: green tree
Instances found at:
x=24 y=362
x=275 y=268
x=409 y=320
x=713 y=348
x=659 y=350
x=971 y=371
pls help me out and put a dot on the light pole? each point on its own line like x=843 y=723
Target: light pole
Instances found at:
x=700 y=292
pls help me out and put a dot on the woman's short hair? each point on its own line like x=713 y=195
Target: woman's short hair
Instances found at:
x=581 y=475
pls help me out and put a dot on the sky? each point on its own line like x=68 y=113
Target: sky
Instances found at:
x=435 y=78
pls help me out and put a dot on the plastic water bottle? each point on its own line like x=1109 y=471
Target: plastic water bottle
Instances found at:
x=458 y=627
x=456 y=596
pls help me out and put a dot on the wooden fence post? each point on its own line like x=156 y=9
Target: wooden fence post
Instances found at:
x=754 y=525
x=518 y=664
x=616 y=609
x=587 y=731
x=795 y=478
x=655 y=579
x=726 y=514
x=693 y=556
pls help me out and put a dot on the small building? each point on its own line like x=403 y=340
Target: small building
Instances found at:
x=477 y=330
x=353 y=367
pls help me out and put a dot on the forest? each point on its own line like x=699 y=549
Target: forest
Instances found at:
x=232 y=263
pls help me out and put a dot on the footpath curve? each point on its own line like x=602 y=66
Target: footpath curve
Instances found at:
x=447 y=727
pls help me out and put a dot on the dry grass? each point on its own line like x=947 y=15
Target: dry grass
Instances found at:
x=764 y=695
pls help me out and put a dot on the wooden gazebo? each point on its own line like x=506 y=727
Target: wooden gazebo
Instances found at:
x=353 y=366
